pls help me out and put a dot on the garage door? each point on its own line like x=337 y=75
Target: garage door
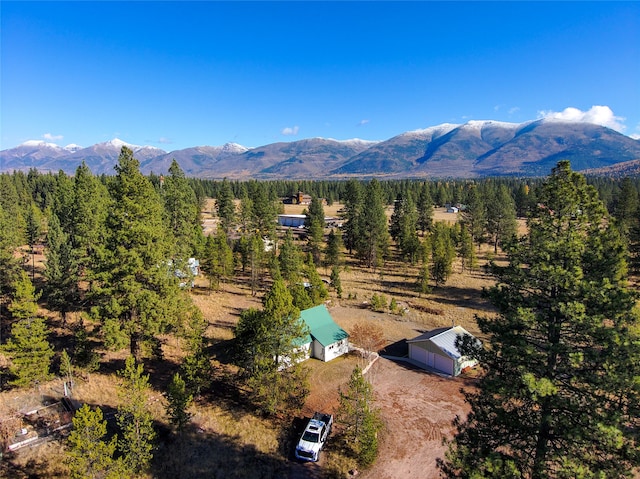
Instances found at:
x=443 y=364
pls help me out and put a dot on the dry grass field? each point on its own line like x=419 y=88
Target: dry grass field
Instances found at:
x=226 y=439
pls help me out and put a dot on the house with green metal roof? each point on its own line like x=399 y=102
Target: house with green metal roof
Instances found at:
x=327 y=340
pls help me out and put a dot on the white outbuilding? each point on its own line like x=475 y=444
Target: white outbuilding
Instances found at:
x=436 y=349
x=326 y=340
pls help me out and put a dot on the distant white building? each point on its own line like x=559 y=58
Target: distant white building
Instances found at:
x=297 y=221
x=292 y=221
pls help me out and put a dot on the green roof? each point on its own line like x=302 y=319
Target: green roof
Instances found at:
x=321 y=325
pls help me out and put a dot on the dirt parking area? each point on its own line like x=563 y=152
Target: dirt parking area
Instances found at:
x=417 y=409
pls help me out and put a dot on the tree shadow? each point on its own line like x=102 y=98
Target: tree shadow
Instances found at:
x=461 y=297
x=197 y=453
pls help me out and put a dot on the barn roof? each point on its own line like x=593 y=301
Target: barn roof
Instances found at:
x=321 y=325
x=443 y=338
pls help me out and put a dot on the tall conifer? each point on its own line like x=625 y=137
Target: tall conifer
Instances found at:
x=137 y=292
x=559 y=397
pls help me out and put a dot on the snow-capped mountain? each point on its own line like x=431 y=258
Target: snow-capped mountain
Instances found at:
x=475 y=148
x=73 y=147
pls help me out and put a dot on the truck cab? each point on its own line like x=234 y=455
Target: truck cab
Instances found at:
x=314 y=437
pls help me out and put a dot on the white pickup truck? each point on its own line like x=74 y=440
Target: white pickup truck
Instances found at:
x=314 y=437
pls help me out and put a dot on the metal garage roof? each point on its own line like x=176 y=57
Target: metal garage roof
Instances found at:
x=443 y=338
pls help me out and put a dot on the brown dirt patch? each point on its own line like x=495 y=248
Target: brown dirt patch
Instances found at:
x=417 y=408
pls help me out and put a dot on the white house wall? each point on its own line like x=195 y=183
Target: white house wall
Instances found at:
x=336 y=349
x=331 y=351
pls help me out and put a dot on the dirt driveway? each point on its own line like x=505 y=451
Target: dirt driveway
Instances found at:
x=417 y=408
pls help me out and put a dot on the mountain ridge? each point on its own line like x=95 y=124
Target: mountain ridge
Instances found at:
x=472 y=149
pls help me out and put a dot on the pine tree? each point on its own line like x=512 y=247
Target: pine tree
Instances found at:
x=359 y=418
x=89 y=456
x=373 y=243
x=404 y=227
x=394 y=223
x=559 y=397
x=315 y=228
x=333 y=255
x=317 y=290
x=290 y=259
x=34 y=230
x=217 y=259
x=246 y=211
x=196 y=368
x=28 y=348
x=225 y=206
x=263 y=212
x=178 y=403
x=466 y=250
x=10 y=238
x=522 y=200
x=353 y=205
x=501 y=217
x=626 y=210
x=137 y=296
x=424 y=207
x=474 y=216
x=408 y=241
x=61 y=270
x=211 y=263
x=84 y=355
x=335 y=281
x=443 y=253
x=182 y=214
x=66 y=368
x=135 y=420
x=86 y=223
x=424 y=273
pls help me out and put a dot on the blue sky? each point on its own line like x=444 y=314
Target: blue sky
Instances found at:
x=178 y=74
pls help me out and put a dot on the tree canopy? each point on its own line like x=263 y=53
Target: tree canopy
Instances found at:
x=560 y=396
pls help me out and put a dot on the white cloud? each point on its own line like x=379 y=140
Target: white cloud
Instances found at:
x=597 y=114
x=636 y=134
x=510 y=111
x=363 y=122
x=290 y=130
x=50 y=137
x=164 y=141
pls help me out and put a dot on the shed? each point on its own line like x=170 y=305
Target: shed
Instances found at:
x=327 y=339
x=437 y=350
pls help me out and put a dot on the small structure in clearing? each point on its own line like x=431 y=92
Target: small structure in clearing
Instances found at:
x=326 y=339
x=436 y=349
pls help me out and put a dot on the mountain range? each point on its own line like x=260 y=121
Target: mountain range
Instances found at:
x=473 y=149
